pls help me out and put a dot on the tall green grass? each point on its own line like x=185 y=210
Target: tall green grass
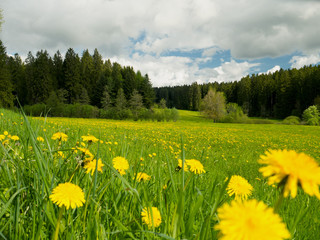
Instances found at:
x=30 y=169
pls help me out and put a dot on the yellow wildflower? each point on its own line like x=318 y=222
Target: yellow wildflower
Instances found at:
x=142 y=176
x=250 y=220
x=91 y=166
x=60 y=136
x=40 y=139
x=149 y=219
x=120 y=164
x=15 y=138
x=291 y=169
x=2 y=137
x=180 y=165
x=239 y=187
x=60 y=154
x=89 y=139
x=88 y=156
x=195 y=166
x=68 y=195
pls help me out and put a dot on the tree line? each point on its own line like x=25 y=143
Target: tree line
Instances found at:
x=89 y=80
x=276 y=95
x=73 y=79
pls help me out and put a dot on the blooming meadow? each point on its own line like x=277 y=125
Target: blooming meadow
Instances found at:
x=66 y=178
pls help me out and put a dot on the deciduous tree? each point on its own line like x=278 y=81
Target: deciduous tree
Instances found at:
x=214 y=105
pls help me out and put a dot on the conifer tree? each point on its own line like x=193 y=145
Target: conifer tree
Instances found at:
x=106 y=100
x=58 y=77
x=86 y=71
x=18 y=79
x=6 y=88
x=136 y=103
x=195 y=97
x=121 y=101
x=71 y=71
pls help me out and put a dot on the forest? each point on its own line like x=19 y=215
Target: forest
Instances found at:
x=72 y=78
x=90 y=80
x=277 y=95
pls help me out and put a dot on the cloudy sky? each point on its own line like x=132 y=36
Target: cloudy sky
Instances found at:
x=175 y=41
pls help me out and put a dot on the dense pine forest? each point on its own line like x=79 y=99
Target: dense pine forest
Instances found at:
x=42 y=79
x=73 y=79
x=277 y=95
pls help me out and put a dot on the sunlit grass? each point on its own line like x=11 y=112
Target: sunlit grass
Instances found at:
x=30 y=169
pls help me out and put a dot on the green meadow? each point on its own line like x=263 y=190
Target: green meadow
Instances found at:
x=30 y=169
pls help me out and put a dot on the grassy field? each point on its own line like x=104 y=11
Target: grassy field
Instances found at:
x=30 y=169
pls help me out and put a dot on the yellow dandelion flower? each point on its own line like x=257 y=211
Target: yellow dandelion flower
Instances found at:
x=180 y=166
x=120 y=164
x=91 y=166
x=68 y=195
x=250 y=220
x=195 y=166
x=88 y=156
x=40 y=139
x=89 y=139
x=60 y=136
x=291 y=169
x=60 y=154
x=239 y=187
x=2 y=137
x=142 y=177
x=5 y=133
x=151 y=219
x=15 y=138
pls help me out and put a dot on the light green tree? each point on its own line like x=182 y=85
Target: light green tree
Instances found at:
x=163 y=103
x=311 y=115
x=214 y=105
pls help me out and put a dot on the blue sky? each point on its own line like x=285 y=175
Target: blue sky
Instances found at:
x=174 y=41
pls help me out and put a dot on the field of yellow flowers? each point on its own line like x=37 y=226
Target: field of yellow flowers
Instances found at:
x=66 y=178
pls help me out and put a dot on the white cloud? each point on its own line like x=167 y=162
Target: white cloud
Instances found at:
x=272 y=70
x=209 y=52
x=171 y=71
x=300 y=61
x=250 y=29
x=227 y=72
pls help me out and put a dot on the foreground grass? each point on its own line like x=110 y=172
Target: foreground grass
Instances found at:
x=30 y=169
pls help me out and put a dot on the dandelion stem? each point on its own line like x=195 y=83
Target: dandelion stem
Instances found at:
x=280 y=200
x=56 y=232
x=75 y=170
